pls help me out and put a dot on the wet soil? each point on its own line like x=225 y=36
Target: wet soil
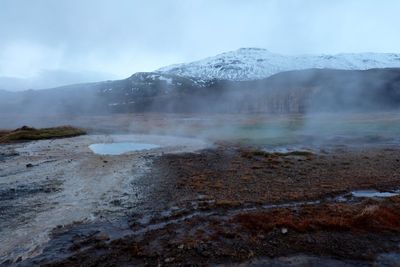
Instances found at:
x=238 y=205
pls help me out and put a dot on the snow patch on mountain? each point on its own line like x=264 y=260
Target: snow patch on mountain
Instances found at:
x=256 y=63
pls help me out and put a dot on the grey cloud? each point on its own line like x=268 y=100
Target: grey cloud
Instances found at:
x=121 y=37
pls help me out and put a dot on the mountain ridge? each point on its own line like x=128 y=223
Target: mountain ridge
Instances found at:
x=297 y=91
x=258 y=63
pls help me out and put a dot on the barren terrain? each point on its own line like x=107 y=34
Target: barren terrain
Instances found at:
x=205 y=200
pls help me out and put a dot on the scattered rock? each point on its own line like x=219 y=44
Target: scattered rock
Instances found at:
x=168 y=260
x=29 y=165
x=24 y=128
x=260 y=236
x=102 y=237
x=284 y=230
x=116 y=202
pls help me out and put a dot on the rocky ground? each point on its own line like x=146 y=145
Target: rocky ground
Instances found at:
x=238 y=205
x=49 y=184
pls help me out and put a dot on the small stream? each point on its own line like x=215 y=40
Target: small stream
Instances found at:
x=120 y=148
x=374 y=194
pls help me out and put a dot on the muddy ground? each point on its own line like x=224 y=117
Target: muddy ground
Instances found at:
x=237 y=205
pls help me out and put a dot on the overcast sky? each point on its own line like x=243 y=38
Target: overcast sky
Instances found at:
x=108 y=39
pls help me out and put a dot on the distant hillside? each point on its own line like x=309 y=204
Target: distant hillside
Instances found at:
x=287 y=92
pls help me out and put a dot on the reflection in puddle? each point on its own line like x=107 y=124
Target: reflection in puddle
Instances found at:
x=120 y=148
x=373 y=193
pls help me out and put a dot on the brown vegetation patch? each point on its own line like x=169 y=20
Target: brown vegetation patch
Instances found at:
x=26 y=133
x=246 y=175
x=376 y=217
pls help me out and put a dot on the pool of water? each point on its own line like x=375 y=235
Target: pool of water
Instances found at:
x=120 y=148
x=373 y=193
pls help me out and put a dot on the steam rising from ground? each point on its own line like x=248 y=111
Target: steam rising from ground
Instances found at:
x=307 y=106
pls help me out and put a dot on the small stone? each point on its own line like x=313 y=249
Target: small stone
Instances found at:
x=167 y=260
x=181 y=246
x=29 y=165
x=284 y=230
x=102 y=237
x=116 y=202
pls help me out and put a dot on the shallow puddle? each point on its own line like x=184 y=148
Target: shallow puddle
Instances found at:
x=120 y=148
x=373 y=193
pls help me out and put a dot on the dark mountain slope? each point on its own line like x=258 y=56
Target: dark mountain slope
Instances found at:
x=286 y=92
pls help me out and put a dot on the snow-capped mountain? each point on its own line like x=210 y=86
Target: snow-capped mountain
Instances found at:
x=255 y=63
x=247 y=80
